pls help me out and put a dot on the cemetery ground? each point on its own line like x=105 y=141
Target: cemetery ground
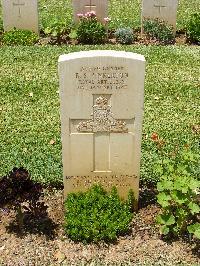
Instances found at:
x=30 y=141
x=30 y=137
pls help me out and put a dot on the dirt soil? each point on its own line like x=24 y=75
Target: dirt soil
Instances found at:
x=44 y=243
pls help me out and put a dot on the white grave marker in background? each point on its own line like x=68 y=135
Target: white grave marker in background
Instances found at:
x=102 y=94
x=84 y=6
x=20 y=14
x=165 y=10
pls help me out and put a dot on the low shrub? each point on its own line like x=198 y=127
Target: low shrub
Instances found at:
x=124 y=35
x=19 y=37
x=96 y=215
x=158 y=30
x=193 y=28
x=90 y=30
x=179 y=198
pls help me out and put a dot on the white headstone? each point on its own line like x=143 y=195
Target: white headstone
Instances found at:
x=165 y=10
x=84 y=6
x=102 y=94
x=20 y=14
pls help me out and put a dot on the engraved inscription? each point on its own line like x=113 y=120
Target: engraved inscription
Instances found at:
x=109 y=182
x=19 y=5
x=159 y=6
x=103 y=119
x=104 y=78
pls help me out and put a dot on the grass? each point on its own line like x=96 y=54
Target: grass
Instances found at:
x=29 y=110
x=29 y=114
x=123 y=12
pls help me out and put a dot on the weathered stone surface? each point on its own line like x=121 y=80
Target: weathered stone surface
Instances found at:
x=20 y=14
x=102 y=94
x=83 y=6
x=165 y=10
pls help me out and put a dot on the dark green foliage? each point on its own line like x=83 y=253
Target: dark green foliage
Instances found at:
x=178 y=197
x=124 y=35
x=158 y=30
x=193 y=28
x=90 y=30
x=96 y=215
x=19 y=37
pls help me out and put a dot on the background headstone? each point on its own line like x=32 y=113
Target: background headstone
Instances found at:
x=83 y=6
x=165 y=10
x=20 y=14
x=102 y=94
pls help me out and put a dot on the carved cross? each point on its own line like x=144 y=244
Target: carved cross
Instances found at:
x=19 y=5
x=90 y=7
x=159 y=6
x=101 y=126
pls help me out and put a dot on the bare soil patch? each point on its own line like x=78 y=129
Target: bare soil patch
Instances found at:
x=44 y=242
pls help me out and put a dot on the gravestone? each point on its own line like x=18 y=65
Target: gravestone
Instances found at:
x=165 y=10
x=20 y=14
x=102 y=95
x=99 y=6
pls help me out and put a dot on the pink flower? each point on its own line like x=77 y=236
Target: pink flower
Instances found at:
x=93 y=13
x=107 y=19
x=80 y=15
x=90 y=14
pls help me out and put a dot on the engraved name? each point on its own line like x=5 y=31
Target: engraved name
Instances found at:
x=106 y=78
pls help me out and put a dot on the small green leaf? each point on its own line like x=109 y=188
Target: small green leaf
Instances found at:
x=166 y=219
x=163 y=199
x=194 y=184
x=164 y=230
x=178 y=197
x=194 y=229
x=194 y=207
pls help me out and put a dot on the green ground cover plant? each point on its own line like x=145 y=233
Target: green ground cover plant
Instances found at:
x=178 y=196
x=97 y=215
x=158 y=30
x=193 y=28
x=30 y=108
x=19 y=37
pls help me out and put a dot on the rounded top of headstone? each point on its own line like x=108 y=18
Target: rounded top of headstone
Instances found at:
x=101 y=53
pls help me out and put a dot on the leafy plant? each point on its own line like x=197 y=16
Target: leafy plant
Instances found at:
x=90 y=30
x=193 y=28
x=194 y=229
x=178 y=197
x=19 y=37
x=56 y=28
x=124 y=35
x=19 y=192
x=96 y=215
x=158 y=30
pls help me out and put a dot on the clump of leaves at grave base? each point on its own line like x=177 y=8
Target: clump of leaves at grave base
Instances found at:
x=19 y=37
x=56 y=28
x=178 y=196
x=97 y=215
x=158 y=30
x=193 y=28
x=19 y=192
x=124 y=35
x=90 y=30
